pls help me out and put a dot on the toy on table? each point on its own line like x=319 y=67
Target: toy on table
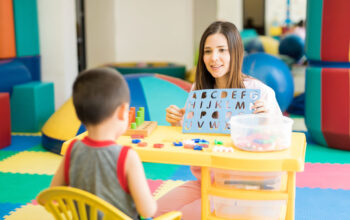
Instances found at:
x=137 y=124
x=261 y=132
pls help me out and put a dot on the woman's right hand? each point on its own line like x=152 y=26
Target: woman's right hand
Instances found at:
x=174 y=115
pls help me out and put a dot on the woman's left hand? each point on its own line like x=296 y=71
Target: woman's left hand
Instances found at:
x=259 y=107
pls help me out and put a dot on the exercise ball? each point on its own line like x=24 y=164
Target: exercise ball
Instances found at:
x=292 y=45
x=274 y=73
x=261 y=44
x=154 y=92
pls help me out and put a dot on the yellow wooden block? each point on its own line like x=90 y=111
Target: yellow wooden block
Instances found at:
x=32 y=163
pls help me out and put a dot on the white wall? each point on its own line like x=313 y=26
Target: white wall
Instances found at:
x=100 y=32
x=232 y=11
x=58 y=46
x=155 y=30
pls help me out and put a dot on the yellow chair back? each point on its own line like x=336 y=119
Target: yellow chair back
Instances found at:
x=68 y=203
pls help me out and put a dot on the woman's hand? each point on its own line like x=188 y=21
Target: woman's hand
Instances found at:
x=174 y=115
x=259 y=107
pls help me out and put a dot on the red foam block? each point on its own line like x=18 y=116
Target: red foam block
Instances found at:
x=5 y=120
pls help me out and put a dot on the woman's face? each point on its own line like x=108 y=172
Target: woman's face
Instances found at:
x=216 y=55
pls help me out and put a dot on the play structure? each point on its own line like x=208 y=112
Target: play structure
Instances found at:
x=153 y=92
x=31 y=102
x=327 y=93
x=169 y=69
x=270 y=185
x=274 y=73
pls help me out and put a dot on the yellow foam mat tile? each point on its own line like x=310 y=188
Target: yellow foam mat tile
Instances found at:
x=32 y=163
x=166 y=187
x=30 y=211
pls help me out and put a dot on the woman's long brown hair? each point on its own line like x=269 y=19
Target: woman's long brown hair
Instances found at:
x=204 y=80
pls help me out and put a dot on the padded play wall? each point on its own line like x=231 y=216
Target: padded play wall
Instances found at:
x=31 y=101
x=327 y=86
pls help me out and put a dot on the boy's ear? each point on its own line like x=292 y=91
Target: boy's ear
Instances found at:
x=123 y=111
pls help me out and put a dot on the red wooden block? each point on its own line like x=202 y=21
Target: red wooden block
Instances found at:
x=158 y=145
x=5 y=120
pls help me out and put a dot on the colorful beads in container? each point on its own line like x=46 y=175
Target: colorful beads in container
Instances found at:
x=261 y=132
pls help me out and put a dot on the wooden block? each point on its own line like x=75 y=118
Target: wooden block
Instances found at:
x=145 y=129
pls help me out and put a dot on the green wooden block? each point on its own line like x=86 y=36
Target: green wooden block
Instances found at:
x=32 y=104
x=26 y=27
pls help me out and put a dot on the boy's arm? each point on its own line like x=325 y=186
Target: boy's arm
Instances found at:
x=145 y=204
x=58 y=179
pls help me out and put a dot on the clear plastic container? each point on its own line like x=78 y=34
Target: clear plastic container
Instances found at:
x=261 y=132
x=249 y=180
x=249 y=209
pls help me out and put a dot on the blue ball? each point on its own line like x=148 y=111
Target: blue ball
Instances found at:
x=254 y=45
x=293 y=46
x=273 y=72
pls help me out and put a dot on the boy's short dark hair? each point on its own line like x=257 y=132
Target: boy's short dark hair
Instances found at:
x=97 y=93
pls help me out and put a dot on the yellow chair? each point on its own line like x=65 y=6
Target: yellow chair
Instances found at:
x=66 y=202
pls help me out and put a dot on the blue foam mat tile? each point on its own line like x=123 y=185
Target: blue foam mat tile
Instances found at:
x=183 y=173
x=322 y=204
x=6 y=208
x=22 y=143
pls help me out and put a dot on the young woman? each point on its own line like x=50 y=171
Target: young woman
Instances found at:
x=219 y=66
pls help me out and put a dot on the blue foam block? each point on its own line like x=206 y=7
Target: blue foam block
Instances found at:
x=12 y=73
x=33 y=65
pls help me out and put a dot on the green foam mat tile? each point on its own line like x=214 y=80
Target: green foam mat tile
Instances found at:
x=157 y=171
x=322 y=154
x=5 y=154
x=22 y=188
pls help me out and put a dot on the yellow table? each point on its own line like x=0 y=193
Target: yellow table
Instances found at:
x=290 y=160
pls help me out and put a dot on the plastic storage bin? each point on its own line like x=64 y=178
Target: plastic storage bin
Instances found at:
x=261 y=132
x=249 y=209
x=248 y=180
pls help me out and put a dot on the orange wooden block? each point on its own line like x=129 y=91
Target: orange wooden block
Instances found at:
x=145 y=129
x=142 y=144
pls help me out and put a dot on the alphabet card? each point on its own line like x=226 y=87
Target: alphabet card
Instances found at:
x=210 y=110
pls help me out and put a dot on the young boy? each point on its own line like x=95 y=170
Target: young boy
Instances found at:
x=97 y=164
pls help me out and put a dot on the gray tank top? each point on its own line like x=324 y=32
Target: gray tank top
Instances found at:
x=98 y=167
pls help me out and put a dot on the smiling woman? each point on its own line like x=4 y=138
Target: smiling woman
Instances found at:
x=219 y=67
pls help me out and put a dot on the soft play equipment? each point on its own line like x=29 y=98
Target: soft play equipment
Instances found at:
x=327 y=86
x=31 y=105
x=327 y=32
x=12 y=73
x=170 y=69
x=26 y=27
x=274 y=73
x=327 y=106
x=7 y=30
x=5 y=120
x=261 y=44
x=155 y=92
x=293 y=46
